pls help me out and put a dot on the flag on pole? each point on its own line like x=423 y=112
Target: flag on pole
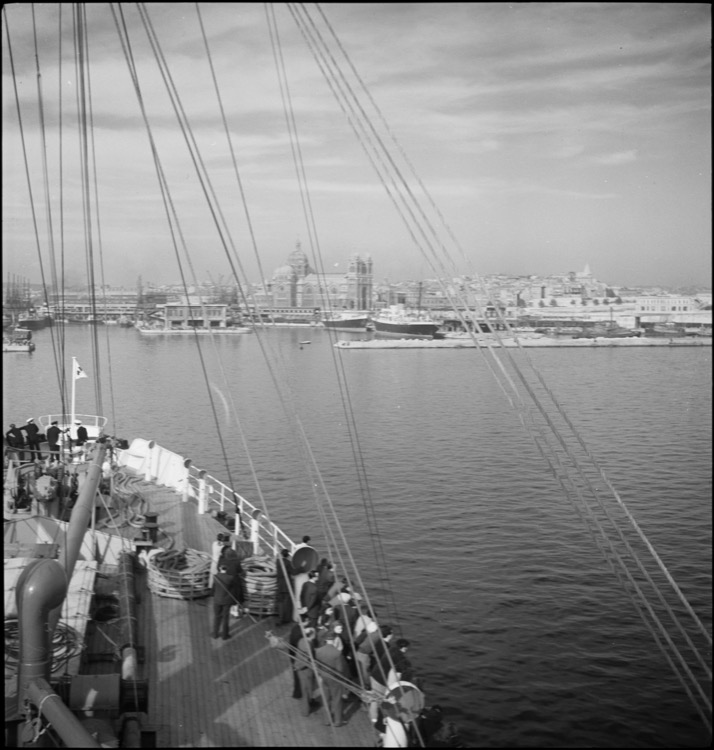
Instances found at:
x=78 y=371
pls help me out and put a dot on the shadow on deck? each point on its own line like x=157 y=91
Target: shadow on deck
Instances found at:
x=216 y=693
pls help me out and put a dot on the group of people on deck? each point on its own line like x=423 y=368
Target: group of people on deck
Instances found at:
x=32 y=439
x=337 y=635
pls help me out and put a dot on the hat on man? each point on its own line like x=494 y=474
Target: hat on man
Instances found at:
x=55 y=422
x=76 y=421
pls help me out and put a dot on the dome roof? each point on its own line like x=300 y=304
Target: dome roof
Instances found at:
x=286 y=272
x=297 y=258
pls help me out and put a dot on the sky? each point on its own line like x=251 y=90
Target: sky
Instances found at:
x=548 y=135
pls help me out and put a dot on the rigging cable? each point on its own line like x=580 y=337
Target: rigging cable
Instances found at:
x=23 y=141
x=370 y=515
x=518 y=372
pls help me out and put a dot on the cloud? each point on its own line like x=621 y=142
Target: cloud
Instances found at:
x=615 y=159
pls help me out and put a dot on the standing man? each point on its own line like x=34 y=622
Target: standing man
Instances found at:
x=15 y=440
x=284 y=570
x=222 y=600
x=53 y=434
x=293 y=641
x=310 y=598
x=303 y=667
x=380 y=666
x=82 y=435
x=33 y=438
x=330 y=656
x=365 y=648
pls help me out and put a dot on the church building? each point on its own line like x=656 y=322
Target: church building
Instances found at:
x=298 y=285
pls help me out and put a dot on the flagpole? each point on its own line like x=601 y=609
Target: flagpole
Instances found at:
x=74 y=387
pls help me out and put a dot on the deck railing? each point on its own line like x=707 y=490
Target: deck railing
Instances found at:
x=171 y=470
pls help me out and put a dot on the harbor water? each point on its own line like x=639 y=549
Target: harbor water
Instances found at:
x=518 y=627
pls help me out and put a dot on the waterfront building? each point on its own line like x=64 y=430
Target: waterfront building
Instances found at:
x=666 y=303
x=192 y=313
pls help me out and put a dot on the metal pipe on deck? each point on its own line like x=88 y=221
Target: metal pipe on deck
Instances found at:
x=65 y=723
x=40 y=592
x=42 y=587
x=127 y=614
x=82 y=511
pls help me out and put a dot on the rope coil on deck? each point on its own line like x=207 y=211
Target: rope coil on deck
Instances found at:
x=261 y=585
x=178 y=574
x=66 y=643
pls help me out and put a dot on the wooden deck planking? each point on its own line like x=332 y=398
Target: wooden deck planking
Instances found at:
x=213 y=693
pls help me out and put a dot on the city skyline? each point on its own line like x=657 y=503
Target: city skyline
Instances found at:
x=551 y=136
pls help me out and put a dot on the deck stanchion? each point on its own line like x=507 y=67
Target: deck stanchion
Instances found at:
x=150 y=461
x=202 y=493
x=155 y=454
x=186 y=485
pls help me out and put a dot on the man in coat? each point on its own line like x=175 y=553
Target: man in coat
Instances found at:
x=380 y=668
x=284 y=571
x=53 y=435
x=15 y=440
x=335 y=671
x=310 y=598
x=82 y=435
x=365 y=643
x=33 y=438
x=303 y=667
x=229 y=558
x=222 y=600
x=296 y=635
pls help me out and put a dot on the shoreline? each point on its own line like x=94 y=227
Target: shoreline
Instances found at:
x=600 y=342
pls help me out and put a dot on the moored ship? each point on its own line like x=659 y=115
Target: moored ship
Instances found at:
x=34 y=321
x=347 y=321
x=398 y=321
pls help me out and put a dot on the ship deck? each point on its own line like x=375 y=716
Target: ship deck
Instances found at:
x=216 y=693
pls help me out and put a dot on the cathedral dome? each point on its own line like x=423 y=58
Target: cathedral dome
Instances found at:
x=297 y=258
x=284 y=272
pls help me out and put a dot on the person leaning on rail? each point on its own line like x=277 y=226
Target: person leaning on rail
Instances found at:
x=379 y=671
x=333 y=674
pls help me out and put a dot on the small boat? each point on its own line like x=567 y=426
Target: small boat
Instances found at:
x=305 y=342
x=611 y=330
x=666 y=330
x=19 y=341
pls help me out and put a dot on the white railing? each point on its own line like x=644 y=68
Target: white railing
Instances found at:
x=156 y=464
